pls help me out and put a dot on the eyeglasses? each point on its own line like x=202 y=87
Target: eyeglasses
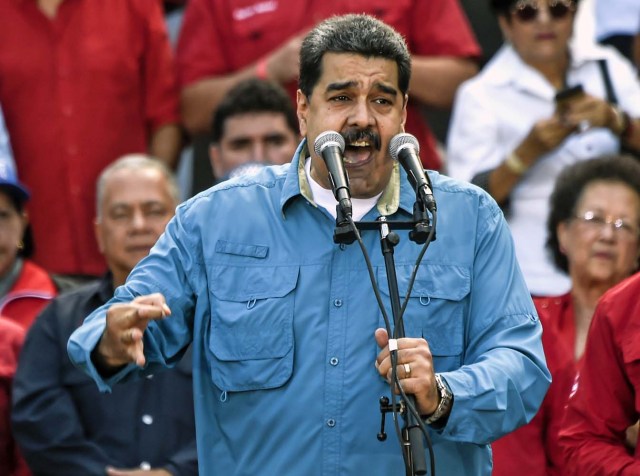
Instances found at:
x=596 y=222
x=527 y=11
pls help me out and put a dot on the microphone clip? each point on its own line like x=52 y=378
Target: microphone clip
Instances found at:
x=422 y=224
x=344 y=232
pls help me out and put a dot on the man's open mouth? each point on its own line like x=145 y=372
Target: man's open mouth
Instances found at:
x=358 y=152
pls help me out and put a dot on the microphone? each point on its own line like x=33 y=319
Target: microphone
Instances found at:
x=405 y=149
x=330 y=146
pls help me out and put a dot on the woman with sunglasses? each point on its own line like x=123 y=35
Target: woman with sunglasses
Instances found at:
x=594 y=237
x=509 y=135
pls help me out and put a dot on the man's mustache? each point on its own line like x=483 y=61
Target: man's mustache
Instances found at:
x=355 y=135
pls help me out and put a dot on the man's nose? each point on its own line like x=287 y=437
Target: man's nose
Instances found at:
x=258 y=152
x=138 y=220
x=361 y=114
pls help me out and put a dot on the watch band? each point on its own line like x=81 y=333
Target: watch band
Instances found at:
x=446 y=397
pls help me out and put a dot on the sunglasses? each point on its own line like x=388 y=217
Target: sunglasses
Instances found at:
x=527 y=11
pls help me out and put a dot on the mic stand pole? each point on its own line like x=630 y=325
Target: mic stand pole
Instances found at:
x=412 y=441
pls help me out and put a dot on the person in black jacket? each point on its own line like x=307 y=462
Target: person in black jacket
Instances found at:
x=62 y=423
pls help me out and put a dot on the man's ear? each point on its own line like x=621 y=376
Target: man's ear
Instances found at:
x=303 y=109
x=404 y=112
x=215 y=158
x=97 y=229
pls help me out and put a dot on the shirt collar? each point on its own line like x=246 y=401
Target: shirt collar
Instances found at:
x=398 y=194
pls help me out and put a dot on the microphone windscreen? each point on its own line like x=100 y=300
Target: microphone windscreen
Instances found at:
x=328 y=138
x=400 y=140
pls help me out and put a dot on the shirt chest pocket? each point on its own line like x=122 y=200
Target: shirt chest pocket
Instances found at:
x=435 y=310
x=250 y=338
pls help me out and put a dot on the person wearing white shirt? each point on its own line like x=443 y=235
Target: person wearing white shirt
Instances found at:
x=508 y=135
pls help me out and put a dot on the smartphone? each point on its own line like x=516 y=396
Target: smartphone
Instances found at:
x=564 y=97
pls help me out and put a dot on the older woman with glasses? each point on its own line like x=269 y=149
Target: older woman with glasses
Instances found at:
x=594 y=237
x=540 y=105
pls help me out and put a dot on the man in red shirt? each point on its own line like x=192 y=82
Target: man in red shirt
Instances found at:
x=82 y=83
x=225 y=41
x=606 y=395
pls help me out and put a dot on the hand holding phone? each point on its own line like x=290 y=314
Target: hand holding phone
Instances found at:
x=565 y=97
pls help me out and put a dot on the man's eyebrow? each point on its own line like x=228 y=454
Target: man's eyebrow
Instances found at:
x=387 y=89
x=340 y=86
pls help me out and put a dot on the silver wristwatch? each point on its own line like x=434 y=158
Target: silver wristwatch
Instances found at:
x=446 y=397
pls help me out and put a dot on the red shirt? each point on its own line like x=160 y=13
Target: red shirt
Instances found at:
x=77 y=92
x=11 y=338
x=31 y=292
x=219 y=37
x=607 y=397
x=533 y=449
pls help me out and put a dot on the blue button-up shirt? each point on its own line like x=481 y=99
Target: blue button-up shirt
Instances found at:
x=282 y=322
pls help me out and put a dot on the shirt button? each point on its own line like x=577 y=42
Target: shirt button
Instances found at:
x=149 y=377
x=147 y=419
x=334 y=361
x=331 y=422
x=145 y=466
x=343 y=246
x=337 y=303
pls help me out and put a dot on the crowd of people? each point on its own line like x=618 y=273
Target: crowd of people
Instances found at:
x=237 y=332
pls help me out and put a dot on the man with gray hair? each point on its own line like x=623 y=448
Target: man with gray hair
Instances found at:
x=63 y=425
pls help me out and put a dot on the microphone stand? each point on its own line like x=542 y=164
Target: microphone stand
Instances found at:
x=412 y=439
x=412 y=442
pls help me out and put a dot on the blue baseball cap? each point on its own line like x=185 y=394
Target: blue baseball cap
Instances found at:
x=9 y=180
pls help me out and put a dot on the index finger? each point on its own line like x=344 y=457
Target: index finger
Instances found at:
x=151 y=303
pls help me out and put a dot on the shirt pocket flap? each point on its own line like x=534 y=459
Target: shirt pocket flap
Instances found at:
x=243 y=284
x=251 y=331
x=435 y=281
x=436 y=308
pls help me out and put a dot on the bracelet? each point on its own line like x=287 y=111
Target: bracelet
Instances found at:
x=628 y=126
x=515 y=164
x=261 y=69
x=620 y=121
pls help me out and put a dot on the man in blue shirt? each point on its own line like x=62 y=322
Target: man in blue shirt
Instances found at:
x=290 y=354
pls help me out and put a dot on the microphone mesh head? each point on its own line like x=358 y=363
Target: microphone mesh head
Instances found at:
x=328 y=138
x=400 y=140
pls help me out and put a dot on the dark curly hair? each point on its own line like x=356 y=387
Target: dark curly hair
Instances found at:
x=354 y=33
x=253 y=95
x=570 y=185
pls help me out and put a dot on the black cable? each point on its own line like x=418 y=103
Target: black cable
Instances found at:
x=395 y=382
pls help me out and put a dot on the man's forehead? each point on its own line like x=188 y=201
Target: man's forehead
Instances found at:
x=251 y=124
x=348 y=70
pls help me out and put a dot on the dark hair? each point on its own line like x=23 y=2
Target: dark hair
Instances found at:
x=253 y=96
x=18 y=204
x=502 y=7
x=360 y=34
x=570 y=185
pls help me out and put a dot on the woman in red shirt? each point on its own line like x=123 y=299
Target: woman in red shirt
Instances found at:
x=594 y=236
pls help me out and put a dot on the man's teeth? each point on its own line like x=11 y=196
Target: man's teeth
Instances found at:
x=360 y=143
